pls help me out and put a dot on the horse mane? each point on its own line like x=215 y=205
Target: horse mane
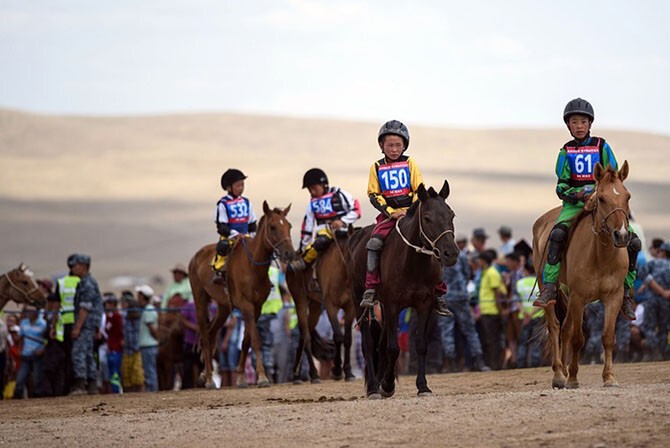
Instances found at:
x=412 y=209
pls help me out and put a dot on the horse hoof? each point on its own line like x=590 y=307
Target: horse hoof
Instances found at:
x=315 y=381
x=611 y=384
x=557 y=385
x=376 y=396
x=297 y=382
x=264 y=383
x=242 y=385
x=350 y=378
x=572 y=385
x=336 y=377
x=387 y=394
x=211 y=385
x=425 y=394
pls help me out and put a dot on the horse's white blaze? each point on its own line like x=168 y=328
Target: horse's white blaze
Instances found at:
x=623 y=229
x=281 y=221
x=615 y=192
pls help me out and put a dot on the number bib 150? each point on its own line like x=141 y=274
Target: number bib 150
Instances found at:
x=394 y=179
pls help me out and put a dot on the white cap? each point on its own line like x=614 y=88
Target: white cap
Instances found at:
x=15 y=328
x=146 y=290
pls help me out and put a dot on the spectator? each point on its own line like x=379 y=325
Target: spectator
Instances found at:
x=286 y=320
x=462 y=242
x=478 y=241
x=52 y=382
x=148 y=338
x=114 y=330
x=191 y=355
x=4 y=345
x=492 y=293
x=66 y=287
x=529 y=350
x=403 y=339
x=132 y=372
x=657 y=308
x=507 y=246
x=180 y=285
x=231 y=347
x=13 y=355
x=33 y=329
x=268 y=315
x=511 y=324
x=88 y=316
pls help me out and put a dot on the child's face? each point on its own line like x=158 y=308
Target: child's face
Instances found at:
x=579 y=126
x=237 y=188
x=393 y=147
x=316 y=190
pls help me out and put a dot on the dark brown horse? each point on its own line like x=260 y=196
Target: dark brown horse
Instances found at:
x=19 y=285
x=594 y=267
x=411 y=267
x=248 y=287
x=332 y=290
x=170 y=343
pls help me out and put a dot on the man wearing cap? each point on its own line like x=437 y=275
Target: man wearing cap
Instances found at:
x=656 y=321
x=88 y=316
x=478 y=241
x=181 y=285
x=148 y=338
x=63 y=321
x=505 y=234
x=33 y=330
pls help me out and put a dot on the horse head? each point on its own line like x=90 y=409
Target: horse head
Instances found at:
x=276 y=232
x=22 y=287
x=609 y=203
x=436 y=223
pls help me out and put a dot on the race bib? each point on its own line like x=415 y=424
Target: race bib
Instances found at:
x=582 y=161
x=394 y=179
x=322 y=207
x=237 y=210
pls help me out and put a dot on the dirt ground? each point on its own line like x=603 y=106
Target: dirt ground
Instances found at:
x=508 y=409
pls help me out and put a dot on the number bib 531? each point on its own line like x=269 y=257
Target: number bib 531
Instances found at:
x=394 y=179
x=582 y=161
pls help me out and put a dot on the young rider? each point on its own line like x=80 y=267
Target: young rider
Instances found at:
x=392 y=185
x=575 y=168
x=329 y=212
x=234 y=218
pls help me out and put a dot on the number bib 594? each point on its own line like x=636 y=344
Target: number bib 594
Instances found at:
x=582 y=161
x=394 y=179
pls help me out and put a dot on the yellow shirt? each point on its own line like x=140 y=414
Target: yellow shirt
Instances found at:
x=491 y=280
x=399 y=184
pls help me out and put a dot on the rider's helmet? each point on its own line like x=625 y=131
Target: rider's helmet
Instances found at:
x=393 y=127
x=314 y=176
x=231 y=176
x=578 y=106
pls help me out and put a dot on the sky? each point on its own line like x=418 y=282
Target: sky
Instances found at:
x=476 y=64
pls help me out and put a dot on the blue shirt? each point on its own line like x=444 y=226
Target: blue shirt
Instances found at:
x=456 y=277
x=33 y=336
x=131 y=335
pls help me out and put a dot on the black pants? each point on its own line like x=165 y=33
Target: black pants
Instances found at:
x=491 y=328
x=191 y=359
x=52 y=379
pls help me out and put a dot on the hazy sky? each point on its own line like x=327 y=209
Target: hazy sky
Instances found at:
x=474 y=64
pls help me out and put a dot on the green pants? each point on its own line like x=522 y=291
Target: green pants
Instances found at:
x=551 y=271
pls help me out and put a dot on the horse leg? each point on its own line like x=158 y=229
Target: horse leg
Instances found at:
x=559 y=380
x=612 y=307
x=392 y=350
x=348 y=338
x=312 y=321
x=338 y=339
x=304 y=342
x=263 y=380
x=241 y=380
x=369 y=352
x=421 y=350
x=221 y=316
x=202 y=312
x=577 y=341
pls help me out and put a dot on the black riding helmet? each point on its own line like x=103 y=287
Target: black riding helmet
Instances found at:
x=578 y=106
x=393 y=127
x=313 y=177
x=231 y=176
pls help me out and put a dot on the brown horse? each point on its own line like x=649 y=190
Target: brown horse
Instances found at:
x=334 y=293
x=19 y=285
x=170 y=343
x=248 y=287
x=410 y=268
x=594 y=267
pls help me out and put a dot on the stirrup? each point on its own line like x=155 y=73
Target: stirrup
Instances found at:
x=628 y=308
x=298 y=265
x=219 y=277
x=442 y=308
x=547 y=296
x=368 y=298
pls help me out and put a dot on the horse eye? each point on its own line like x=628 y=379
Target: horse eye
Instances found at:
x=601 y=200
x=273 y=227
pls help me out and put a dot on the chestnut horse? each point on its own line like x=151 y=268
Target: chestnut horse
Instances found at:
x=333 y=293
x=594 y=266
x=170 y=343
x=248 y=287
x=19 y=285
x=411 y=267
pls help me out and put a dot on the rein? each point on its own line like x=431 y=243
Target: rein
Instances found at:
x=604 y=228
x=250 y=256
x=26 y=295
x=434 y=251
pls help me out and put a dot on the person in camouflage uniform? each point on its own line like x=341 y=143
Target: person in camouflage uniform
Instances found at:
x=575 y=170
x=656 y=322
x=88 y=314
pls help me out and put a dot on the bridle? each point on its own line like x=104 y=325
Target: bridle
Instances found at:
x=26 y=295
x=267 y=240
x=434 y=251
x=604 y=227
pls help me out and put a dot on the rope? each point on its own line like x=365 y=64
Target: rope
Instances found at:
x=434 y=251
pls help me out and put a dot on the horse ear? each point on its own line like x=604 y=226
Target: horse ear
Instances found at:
x=598 y=172
x=444 y=192
x=421 y=191
x=432 y=193
x=623 y=172
x=266 y=208
x=286 y=210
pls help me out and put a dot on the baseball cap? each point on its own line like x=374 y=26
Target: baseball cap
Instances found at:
x=479 y=232
x=179 y=267
x=505 y=230
x=145 y=290
x=78 y=259
x=15 y=329
x=665 y=247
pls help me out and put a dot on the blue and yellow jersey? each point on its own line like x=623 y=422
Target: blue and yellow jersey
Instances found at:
x=392 y=184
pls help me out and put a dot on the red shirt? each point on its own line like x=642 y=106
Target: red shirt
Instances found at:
x=114 y=328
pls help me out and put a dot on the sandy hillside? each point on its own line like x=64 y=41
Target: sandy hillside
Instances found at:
x=138 y=193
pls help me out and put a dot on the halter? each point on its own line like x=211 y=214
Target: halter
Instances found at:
x=26 y=295
x=434 y=251
x=267 y=240
x=604 y=228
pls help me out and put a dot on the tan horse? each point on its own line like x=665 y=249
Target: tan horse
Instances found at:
x=334 y=293
x=19 y=285
x=248 y=287
x=594 y=267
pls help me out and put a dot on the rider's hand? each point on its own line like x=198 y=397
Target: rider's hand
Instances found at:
x=398 y=214
x=337 y=224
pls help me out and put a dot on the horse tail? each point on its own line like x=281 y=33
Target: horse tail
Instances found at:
x=376 y=335
x=322 y=349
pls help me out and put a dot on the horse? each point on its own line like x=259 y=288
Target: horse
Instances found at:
x=410 y=267
x=594 y=266
x=334 y=293
x=19 y=285
x=248 y=287
x=170 y=343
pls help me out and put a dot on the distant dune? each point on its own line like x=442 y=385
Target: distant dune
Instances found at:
x=138 y=193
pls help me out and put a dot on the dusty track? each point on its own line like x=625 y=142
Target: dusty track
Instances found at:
x=509 y=408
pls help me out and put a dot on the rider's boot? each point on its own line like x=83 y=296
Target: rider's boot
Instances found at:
x=441 y=307
x=628 y=305
x=547 y=295
x=557 y=239
x=374 y=247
